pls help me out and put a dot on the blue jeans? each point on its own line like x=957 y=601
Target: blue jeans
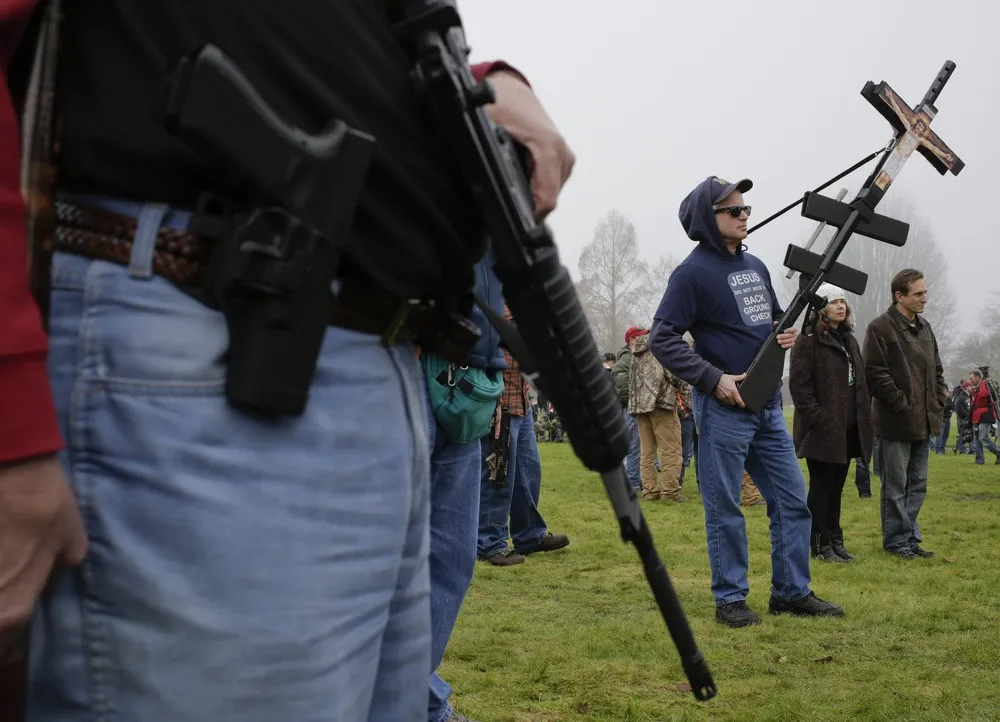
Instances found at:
x=240 y=569
x=941 y=440
x=689 y=444
x=733 y=439
x=983 y=441
x=454 y=522
x=632 y=460
x=862 y=477
x=904 y=488
x=516 y=498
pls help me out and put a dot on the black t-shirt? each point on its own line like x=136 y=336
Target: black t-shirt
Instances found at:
x=415 y=229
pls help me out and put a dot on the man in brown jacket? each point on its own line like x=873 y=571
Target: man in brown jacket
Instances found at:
x=906 y=380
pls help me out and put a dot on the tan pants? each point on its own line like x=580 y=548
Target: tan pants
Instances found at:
x=749 y=494
x=660 y=429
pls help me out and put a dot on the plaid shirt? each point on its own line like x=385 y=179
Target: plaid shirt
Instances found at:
x=514 y=400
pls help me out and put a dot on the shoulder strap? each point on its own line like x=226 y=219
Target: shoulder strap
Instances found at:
x=39 y=149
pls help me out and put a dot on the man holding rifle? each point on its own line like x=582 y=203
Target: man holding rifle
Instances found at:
x=723 y=296
x=240 y=567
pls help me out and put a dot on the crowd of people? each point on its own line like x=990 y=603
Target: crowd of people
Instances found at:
x=175 y=552
x=880 y=402
x=973 y=402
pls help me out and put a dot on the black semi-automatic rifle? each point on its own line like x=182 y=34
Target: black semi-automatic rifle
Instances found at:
x=558 y=352
x=913 y=133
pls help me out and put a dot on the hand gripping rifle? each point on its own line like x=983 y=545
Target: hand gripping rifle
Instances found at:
x=564 y=361
x=913 y=133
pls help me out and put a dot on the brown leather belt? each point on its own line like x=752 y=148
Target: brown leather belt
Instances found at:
x=182 y=258
x=179 y=256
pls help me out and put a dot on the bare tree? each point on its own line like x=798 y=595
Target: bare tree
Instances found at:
x=882 y=261
x=659 y=274
x=982 y=347
x=614 y=281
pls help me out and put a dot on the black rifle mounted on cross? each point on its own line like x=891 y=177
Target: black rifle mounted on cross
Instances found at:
x=913 y=133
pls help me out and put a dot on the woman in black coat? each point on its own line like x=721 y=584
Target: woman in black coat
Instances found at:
x=832 y=422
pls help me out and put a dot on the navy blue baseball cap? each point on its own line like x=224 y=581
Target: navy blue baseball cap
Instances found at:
x=721 y=188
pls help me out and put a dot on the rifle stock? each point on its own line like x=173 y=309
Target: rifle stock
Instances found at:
x=767 y=367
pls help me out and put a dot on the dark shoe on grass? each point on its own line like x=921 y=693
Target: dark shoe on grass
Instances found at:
x=506 y=558
x=808 y=606
x=549 y=543
x=736 y=614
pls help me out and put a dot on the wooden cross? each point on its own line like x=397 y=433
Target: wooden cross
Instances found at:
x=913 y=130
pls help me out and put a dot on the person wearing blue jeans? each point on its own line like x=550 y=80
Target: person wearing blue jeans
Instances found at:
x=508 y=505
x=723 y=296
x=941 y=441
x=906 y=379
x=245 y=562
x=454 y=504
x=982 y=416
x=634 y=451
x=277 y=566
x=984 y=442
x=620 y=371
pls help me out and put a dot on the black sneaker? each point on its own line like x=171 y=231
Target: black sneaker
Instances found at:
x=904 y=553
x=736 y=615
x=920 y=552
x=808 y=606
x=506 y=558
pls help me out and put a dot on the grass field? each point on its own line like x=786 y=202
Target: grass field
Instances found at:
x=574 y=635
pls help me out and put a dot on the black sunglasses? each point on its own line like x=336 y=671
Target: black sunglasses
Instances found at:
x=734 y=211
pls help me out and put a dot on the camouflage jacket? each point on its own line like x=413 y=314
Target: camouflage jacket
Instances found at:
x=650 y=385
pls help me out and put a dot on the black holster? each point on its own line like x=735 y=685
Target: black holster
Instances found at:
x=271 y=275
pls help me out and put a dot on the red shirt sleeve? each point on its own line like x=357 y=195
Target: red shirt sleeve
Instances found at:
x=28 y=424
x=481 y=70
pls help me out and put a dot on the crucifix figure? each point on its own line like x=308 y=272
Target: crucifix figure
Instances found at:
x=913 y=133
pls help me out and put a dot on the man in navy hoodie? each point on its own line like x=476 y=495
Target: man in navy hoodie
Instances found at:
x=724 y=297
x=455 y=472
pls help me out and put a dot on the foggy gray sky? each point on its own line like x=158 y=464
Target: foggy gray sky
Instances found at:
x=654 y=96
